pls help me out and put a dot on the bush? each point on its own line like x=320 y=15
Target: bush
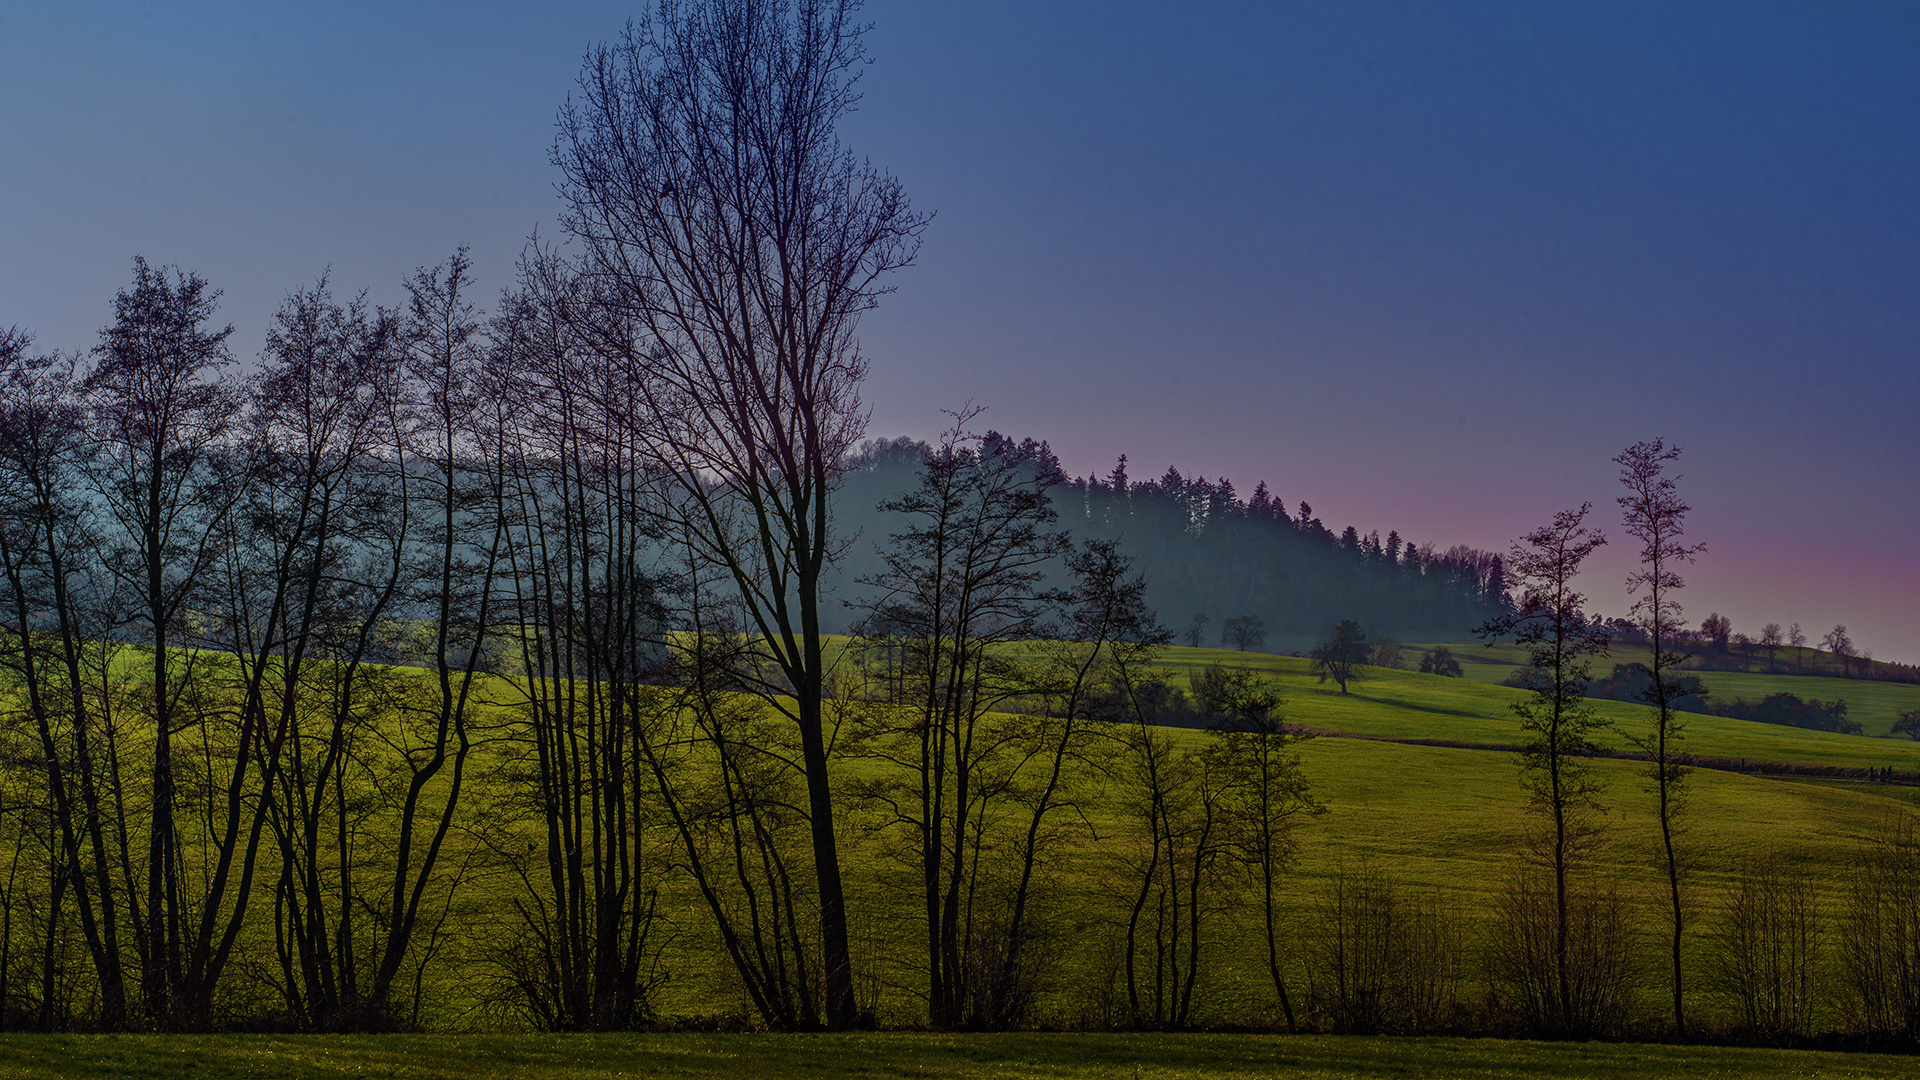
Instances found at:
x=1788 y=710
x=1766 y=941
x=1880 y=935
x=1382 y=960
x=1601 y=979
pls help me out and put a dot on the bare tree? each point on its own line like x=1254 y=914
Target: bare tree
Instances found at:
x=1382 y=957
x=1655 y=515
x=585 y=600
x=1342 y=654
x=1268 y=794
x=1560 y=785
x=1840 y=645
x=718 y=213
x=162 y=408
x=1244 y=632
x=449 y=590
x=1107 y=628
x=319 y=565
x=1878 y=935
x=1768 y=938
x=47 y=548
x=1771 y=639
x=963 y=581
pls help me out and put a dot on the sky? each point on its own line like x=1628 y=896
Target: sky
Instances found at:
x=1428 y=267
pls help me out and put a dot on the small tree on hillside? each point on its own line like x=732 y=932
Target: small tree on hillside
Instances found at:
x=1908 y=725
x=1717 y=627
x=1840 y=645
x=1770 y=640
x=1342 y=654
x=1441 y=661
x=1386 y=654
x=1195 y=634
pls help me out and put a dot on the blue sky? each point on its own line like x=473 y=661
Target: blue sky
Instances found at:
x=1425 y=266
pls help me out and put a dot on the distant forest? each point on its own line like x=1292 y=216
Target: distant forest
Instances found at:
x=1281 y=579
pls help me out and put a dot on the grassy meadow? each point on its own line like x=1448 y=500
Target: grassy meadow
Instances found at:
x=1875 y=704
x=1446 y=822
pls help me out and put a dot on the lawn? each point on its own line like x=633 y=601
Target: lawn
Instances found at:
x=918 y=1055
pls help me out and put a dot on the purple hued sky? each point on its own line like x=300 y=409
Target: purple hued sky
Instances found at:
x=1425 y=266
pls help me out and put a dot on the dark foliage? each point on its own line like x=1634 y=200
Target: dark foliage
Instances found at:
x=1789 y=711
x=1633 y=682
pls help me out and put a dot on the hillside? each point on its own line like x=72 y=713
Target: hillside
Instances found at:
x=1876 y=704
x=1208 y=554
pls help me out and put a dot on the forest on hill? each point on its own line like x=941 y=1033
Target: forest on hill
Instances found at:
x=1215 y=563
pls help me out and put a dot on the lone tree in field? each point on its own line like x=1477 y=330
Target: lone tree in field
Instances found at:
x=1342 y=655
x=1653 y=514
x=1908 y=725
x=730 y=242
x=1244 y=632
x=1560 y=727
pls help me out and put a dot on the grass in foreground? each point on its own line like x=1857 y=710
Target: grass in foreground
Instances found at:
x=772 y=1057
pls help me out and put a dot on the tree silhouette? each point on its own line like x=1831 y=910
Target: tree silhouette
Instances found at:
x=1342 y=654
x=722 y=223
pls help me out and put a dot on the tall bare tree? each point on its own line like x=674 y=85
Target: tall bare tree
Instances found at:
x=163 y=405
x=320 y=567
x=47 y=548
x=585 y=604
x=718 y=213
x=962 y=582
x=1561 y=728
x=1655 y=515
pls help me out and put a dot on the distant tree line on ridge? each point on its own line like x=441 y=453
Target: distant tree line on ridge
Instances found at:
x=1269 y=579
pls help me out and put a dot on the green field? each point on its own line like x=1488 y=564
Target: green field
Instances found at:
x=1448 y=822
x=1875 y=704
x=1409 y=705
x=925 y=1056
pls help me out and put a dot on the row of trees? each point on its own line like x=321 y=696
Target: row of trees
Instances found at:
x=429 y=487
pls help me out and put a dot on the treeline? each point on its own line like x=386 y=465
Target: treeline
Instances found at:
x=395 y=664
x=1222 y=569
x=1715 y=646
